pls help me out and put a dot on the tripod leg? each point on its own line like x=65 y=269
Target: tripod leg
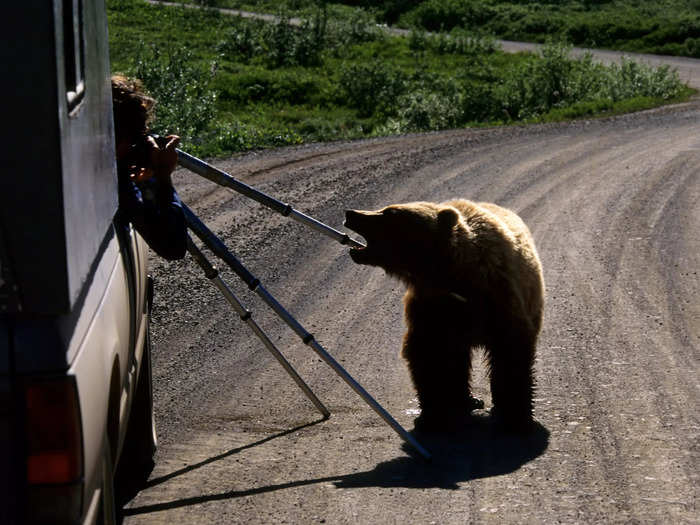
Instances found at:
x=245 y=315
x=222 y=178
x=330 y=361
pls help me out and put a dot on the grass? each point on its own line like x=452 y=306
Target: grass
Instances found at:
x=228 y=84
x=664 y=27
x=670 y=27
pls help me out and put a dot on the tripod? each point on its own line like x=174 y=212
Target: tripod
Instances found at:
x=208 y=238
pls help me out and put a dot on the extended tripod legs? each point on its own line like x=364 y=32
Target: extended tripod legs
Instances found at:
x=213 y=275
x=221 y=251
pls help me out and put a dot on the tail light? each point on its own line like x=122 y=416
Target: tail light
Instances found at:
x=54 y=450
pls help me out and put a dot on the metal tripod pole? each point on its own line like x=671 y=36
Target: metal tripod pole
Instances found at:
x=213 y=275
x=221 y=251
x=222 y=178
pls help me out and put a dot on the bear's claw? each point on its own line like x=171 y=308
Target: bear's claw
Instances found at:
x=474 y=403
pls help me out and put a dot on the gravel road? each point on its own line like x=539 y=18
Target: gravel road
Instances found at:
x=614 y=206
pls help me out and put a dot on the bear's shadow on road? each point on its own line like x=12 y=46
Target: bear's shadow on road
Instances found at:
x=478 y=450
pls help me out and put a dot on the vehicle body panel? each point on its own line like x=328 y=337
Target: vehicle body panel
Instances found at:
x=74 y=299
x=60 y=176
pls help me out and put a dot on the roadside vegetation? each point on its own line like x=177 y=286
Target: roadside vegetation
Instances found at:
x=667 y=27
x=229 y=84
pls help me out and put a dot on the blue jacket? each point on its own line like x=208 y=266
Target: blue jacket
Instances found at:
x=155 y=210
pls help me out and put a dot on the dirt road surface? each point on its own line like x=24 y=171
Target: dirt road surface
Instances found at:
x=614 y=206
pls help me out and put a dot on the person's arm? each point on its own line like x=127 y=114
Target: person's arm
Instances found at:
x=163 y=222
x=151 y=203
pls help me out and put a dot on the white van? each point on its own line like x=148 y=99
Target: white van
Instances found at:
x=74 y=293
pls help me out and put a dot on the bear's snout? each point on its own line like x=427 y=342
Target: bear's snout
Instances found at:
x=351 y=215
x=355 y=220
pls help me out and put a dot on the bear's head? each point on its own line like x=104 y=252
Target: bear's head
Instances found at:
x=406 y=240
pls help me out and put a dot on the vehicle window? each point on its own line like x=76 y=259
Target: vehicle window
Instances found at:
x=74 y=52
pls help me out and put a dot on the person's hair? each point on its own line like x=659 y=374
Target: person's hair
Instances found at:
x=133 y=109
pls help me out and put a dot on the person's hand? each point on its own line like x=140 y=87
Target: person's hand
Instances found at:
x=164 y=156
x=162 y=160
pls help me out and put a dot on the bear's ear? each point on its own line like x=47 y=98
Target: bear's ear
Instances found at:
x=447 y=218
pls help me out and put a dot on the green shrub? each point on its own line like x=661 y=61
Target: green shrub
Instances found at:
x=554 y=80
x=418 y=40
x=438 y=15
x=371 y=88
x=424 y=110
x=456 y=42
x=630 y=79
x=283 y=45
x=287 y=45
x=241 y=42
x=259 y=85
x=536 y=86
x=652 y=27
x=185 y=99
x=462 y=42
x=358 y=28
x=691 y=47
x=235 y=136
x=325 y=129
x=479 y=103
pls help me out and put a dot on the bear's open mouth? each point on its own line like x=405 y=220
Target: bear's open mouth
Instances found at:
x=360 y=255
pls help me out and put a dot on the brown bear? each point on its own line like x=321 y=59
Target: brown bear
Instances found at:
x=474 y=280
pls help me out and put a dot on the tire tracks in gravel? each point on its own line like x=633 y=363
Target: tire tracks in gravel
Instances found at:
x=614 y=206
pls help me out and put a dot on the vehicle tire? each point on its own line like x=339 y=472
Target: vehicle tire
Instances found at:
x=141 y=439
x=107 y=514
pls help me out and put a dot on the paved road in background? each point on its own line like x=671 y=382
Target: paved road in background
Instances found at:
x=614 y=206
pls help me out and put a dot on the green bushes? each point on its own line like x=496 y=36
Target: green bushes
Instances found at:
x=456 y=42
x=357 y=28
x=665 y=27
x=670 y=27
x=185 y=100
x=228 y=84
x=425 y=110
x=277 y=44
x=550 y=85
x=281 y=44
x=241 y=43
x=286 y=45
x=630 y=79
x=438 y=15
x=554 y=80
x=260 y=85
x=549 y=80
x=371 y=89
x=233 y=137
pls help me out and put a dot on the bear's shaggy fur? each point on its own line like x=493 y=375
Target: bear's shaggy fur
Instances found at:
x=473 y=280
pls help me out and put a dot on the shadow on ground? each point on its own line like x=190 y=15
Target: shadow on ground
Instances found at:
x=477 y=450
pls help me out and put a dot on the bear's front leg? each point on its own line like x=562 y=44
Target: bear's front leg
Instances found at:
x=439 y=369
x=511 y=359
